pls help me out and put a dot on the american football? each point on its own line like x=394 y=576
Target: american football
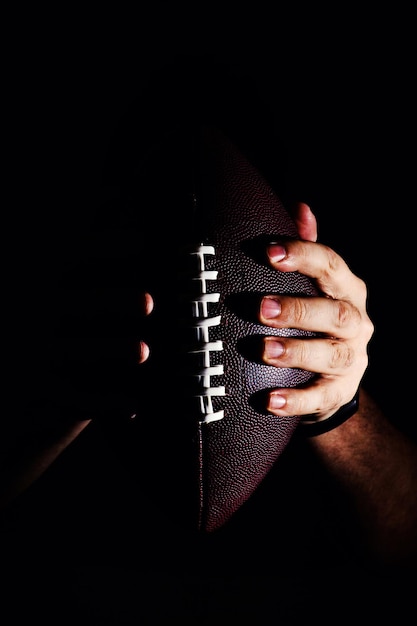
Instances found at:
x=220 y=214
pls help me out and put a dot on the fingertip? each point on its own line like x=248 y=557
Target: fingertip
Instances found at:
x=147 y=303
x=276 y=252
x=143 y=352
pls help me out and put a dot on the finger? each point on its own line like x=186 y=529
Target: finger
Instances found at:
x=95 y=350
x=324 y=356
x=143 y=352
x=148 y=303
x=93 y=302
x=335 y=318
x=334 y=277
x=305 y=221
x=99 y=370
x=323 y=398
x=102 y=326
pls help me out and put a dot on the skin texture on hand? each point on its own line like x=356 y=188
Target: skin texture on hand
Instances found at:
x=339 y=356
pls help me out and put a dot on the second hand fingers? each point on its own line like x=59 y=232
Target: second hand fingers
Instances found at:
x=99 y=326
x=96 y=350
x=90 y=303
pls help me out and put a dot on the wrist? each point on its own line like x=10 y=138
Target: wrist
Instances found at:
x=312 y=429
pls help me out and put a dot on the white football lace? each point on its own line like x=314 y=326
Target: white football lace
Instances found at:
x=204 y=346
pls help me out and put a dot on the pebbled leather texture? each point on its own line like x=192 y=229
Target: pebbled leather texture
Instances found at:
x=239 y=209
x=197 y=188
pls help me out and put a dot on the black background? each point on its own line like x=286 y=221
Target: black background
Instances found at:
x=329 y=115
x=330 y=124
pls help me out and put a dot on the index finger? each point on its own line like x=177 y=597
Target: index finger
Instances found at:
x=332 y=274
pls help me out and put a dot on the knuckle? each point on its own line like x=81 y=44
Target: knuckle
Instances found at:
x=304 y=351
x=341 y=355
x=332 y=399
x=343 y=313
x=362 y=289
x=299 y=311
x=332 y=267
x=369 y=329
x=334 y=259
x=347 y=314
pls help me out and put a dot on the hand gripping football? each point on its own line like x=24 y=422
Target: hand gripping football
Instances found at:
x=221 y=273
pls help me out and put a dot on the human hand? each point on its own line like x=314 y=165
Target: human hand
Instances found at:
x=97 y=347
x=338 y=356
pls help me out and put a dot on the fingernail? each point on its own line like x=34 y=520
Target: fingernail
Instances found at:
x=276 y=252
x=273 y=348
x=270 y=308
x=276 y=401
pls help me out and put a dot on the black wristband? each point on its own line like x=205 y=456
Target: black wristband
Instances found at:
x=347 y=410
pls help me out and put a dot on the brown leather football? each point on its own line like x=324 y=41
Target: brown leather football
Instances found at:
x=222 y=275
x=219 y=215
